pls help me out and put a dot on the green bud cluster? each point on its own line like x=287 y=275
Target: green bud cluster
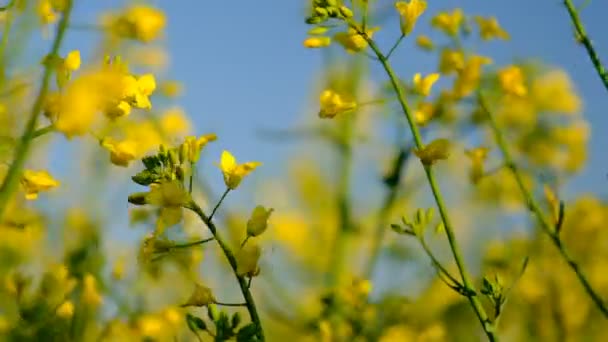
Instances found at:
x=323 y=10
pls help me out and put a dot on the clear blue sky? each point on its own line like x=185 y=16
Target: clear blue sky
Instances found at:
x=244 y=67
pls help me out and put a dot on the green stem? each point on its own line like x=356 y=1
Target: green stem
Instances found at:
x=250 y=303
x=584 y=39
x=534 y=206
x=467 y=282
x=190 y=244
x=219 y=203
x=229 y=304
x=192 y=170
x=12 y=177
x=8 y=21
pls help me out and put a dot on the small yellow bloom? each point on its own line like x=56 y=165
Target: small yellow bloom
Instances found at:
x=553 y=92
x=352 y=41
x=121 y=152
x=317 y=42
x=449 y=23
x=233 y=172
x=333 y=104
x=468 y=78
x=258 y=222
x=424 y=113
x=139 y=22
x=425 y=43
x=90 y=293
x=438 y=149
x=490 y=29
x=195 y=145
x=477 y=156
x=451 y=61
x=37 y=181
x=174 y=122
x=409 y=13
x=170 y=196
x=247 y=260
x=46 y=12
x=137 y=90
x=201 y=296
x=122 y=108
x=65 y=310
x=72 y=61
x=512 y=80
x=422 y=85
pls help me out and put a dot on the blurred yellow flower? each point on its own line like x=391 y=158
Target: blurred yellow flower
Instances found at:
x=490 y=29
x=477 y=155
x=409 y=12
x=171 y=88
x=90 y=293
x=118 y=110
x=449 y=23
x=352 y=41
x=72 y=60
x=451 y=61
x=65 y=310
x=174 y=122
x=512 y=80
x=195 y=145
x=554 y=92
x=46 y=12
x=137 y=90
x=36 y=181
x=468 y=78
x=121 y=152
x=233 y=172
x=332 y=104
x=140 y=22
x=436 y=150
x=317 y=42
x=425 y=43
x=423 y=85
x=424 y=113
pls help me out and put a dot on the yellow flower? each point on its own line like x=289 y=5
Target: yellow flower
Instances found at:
x=409 y=13
x=121 y=152
x=449 y=23
x=317 y=42
x=171 y=88
x=451 y=61
x=174 y=122
x=37 y=181
x=512 y=80
x=201 y=296
x=425 y=43
x=477 y=156
x=46 y=12
x=333 y=104
x=247 y=260
x=438 y=149
x=195 y=145
x=90 y=293
x=422 y=85
x=122 y=108
x=65 y=310
x=554 y=92
x=490 y=29
x=72 y=61
x=258 y=222
x=233 y=172
x=352 y=41
x=139 y=22
x=170 y=197
x=469 y=76
x=137 y=90
x=424 y=113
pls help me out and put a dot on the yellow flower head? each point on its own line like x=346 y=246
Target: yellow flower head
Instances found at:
x=196 y=145
x=425 y=43
x=201 y=296
x=65 y=310
x=512 y=80
x=136 y=90
x=352 y=41
x=118 y=110
x=451 y=61
x=258 y=222
x=438 y=149
x=46 y=12
x=490 y=29
x=409 y=13
x=333 y=104
x=139 y=22
x=553 y=92
x=121 y=152
x=449 y=23
x=423 y=85
x=71 y=61
x=233 y=172
x=317 y=42
x=90 y=293
x=468 y=78
x=424 y=113
x=174 y=122
x=247 y=260
x=36 y=181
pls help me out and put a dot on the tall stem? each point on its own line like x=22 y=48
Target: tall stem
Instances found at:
x=534 y=206
x=584 y=39
x=12 y=177
x=250 y=303
x=471 y=292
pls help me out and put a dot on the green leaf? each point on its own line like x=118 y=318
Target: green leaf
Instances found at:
x=151 y=162
x=195 y=323
x=247 y=333
x=145 y=178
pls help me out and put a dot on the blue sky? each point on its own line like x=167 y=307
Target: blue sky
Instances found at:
x=244 y=67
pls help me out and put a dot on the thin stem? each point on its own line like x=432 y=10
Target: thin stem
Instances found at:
x=534 y=206
x=250 y=303
x=193 y=243
x=245 y=241
x=437 y=264
x=192 y=170
x=219 y=203
x=583 y=38
x=12 y=176
x=42 y=131
x=467 y=282
x=390 y=52
x=229 y=304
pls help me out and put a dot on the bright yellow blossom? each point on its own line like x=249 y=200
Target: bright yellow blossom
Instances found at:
x=195 y=145
x=490 y=29
x=468 y=78
x=451 y=61
x=233 y=172
x=423 y=85
x=139 y=22
x=90 y=293
x=115 y=111
x=121 y=152
x=409 y=13
x=425 y=43
x=449 y=23
x=317 y=42
x=352 y=41
x=137 y=90
x=332 y=104
x=65 y=310
x=424 y=113
x=36 y=181
x=512 y=80
x=72 y=61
